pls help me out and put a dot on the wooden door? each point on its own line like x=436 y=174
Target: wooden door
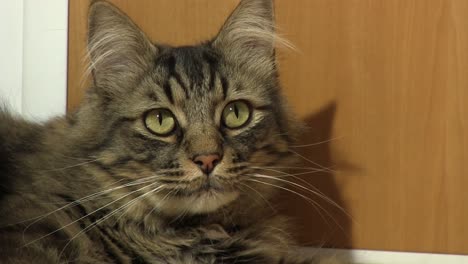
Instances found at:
x=383 y=88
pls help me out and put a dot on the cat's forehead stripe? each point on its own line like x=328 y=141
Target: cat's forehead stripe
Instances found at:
x=173 y=74
x=168 y=91
x=167 y=62
x=225 y=86
x=212 y=61
x=194 y=69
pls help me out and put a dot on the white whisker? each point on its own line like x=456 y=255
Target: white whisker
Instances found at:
x=164 y=198
x=261 y=196
x=126 y=205
x=285 y=174
x=84 y=199
x=317 y=143
x=308 y=199
x=319 y=194
x=83 y=217
x=313 y=162
x=72 y=166
x=292 y=168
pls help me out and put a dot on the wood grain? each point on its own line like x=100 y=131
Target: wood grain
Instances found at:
x=385 y=81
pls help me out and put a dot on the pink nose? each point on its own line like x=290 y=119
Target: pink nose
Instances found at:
x=207 y=162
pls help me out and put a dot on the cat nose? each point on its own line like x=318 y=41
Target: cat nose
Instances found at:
x=207 y=163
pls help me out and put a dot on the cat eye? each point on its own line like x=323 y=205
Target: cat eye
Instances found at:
x=160 y=121
x=236 y=114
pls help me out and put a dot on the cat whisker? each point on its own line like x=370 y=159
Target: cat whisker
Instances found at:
x=84 y=199
x=128 y=204
x=87 y=215
x=77 y=158
x=125 y=209
x=300 y=173
x=72 y=166
x=114 y=183
x=133 y=183
x=163 y=199
x=314 y=204
x=261 y=196
x=112 y=213
x=318 y=192
x=312 y=162
x=290 y=168
x=317 y=143
x=315 y=192
x=281 y=134
x=284 y=174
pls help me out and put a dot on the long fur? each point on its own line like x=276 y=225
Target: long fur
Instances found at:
x=100 y=186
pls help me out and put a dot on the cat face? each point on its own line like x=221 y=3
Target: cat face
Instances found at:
x=193 y=123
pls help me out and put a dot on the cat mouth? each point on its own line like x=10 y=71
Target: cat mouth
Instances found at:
x=206 y=196
x=209 y=186
x=203 y=200
x=206 y=186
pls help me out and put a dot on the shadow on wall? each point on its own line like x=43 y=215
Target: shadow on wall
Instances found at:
x=321 y=224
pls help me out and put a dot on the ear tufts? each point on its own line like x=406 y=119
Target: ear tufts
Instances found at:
x=118 y=50
x=249 y=33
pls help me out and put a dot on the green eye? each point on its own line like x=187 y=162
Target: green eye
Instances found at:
x=160 y=121
x=236 y=114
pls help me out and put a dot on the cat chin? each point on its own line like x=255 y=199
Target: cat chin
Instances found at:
x=206 y=202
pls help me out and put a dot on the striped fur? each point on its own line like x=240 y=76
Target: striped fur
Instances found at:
x=98 y=187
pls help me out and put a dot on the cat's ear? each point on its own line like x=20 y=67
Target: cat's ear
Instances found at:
x=248 y=35
x=119 y=51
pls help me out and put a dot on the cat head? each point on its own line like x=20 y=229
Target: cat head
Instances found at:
x=192 y=125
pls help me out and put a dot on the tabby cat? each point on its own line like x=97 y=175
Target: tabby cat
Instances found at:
x=163 y=160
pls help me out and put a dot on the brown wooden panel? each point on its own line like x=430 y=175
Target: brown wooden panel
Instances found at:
x=386 y=81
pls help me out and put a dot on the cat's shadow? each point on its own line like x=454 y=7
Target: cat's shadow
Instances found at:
x=322 y=224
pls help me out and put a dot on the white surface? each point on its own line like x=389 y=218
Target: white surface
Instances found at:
x=45 y=58
x=33 y=54
x=11 y=53
x=388 y=257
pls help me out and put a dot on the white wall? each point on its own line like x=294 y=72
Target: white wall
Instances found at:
x=385 y=257
x=11 y=53
x=33 y=56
